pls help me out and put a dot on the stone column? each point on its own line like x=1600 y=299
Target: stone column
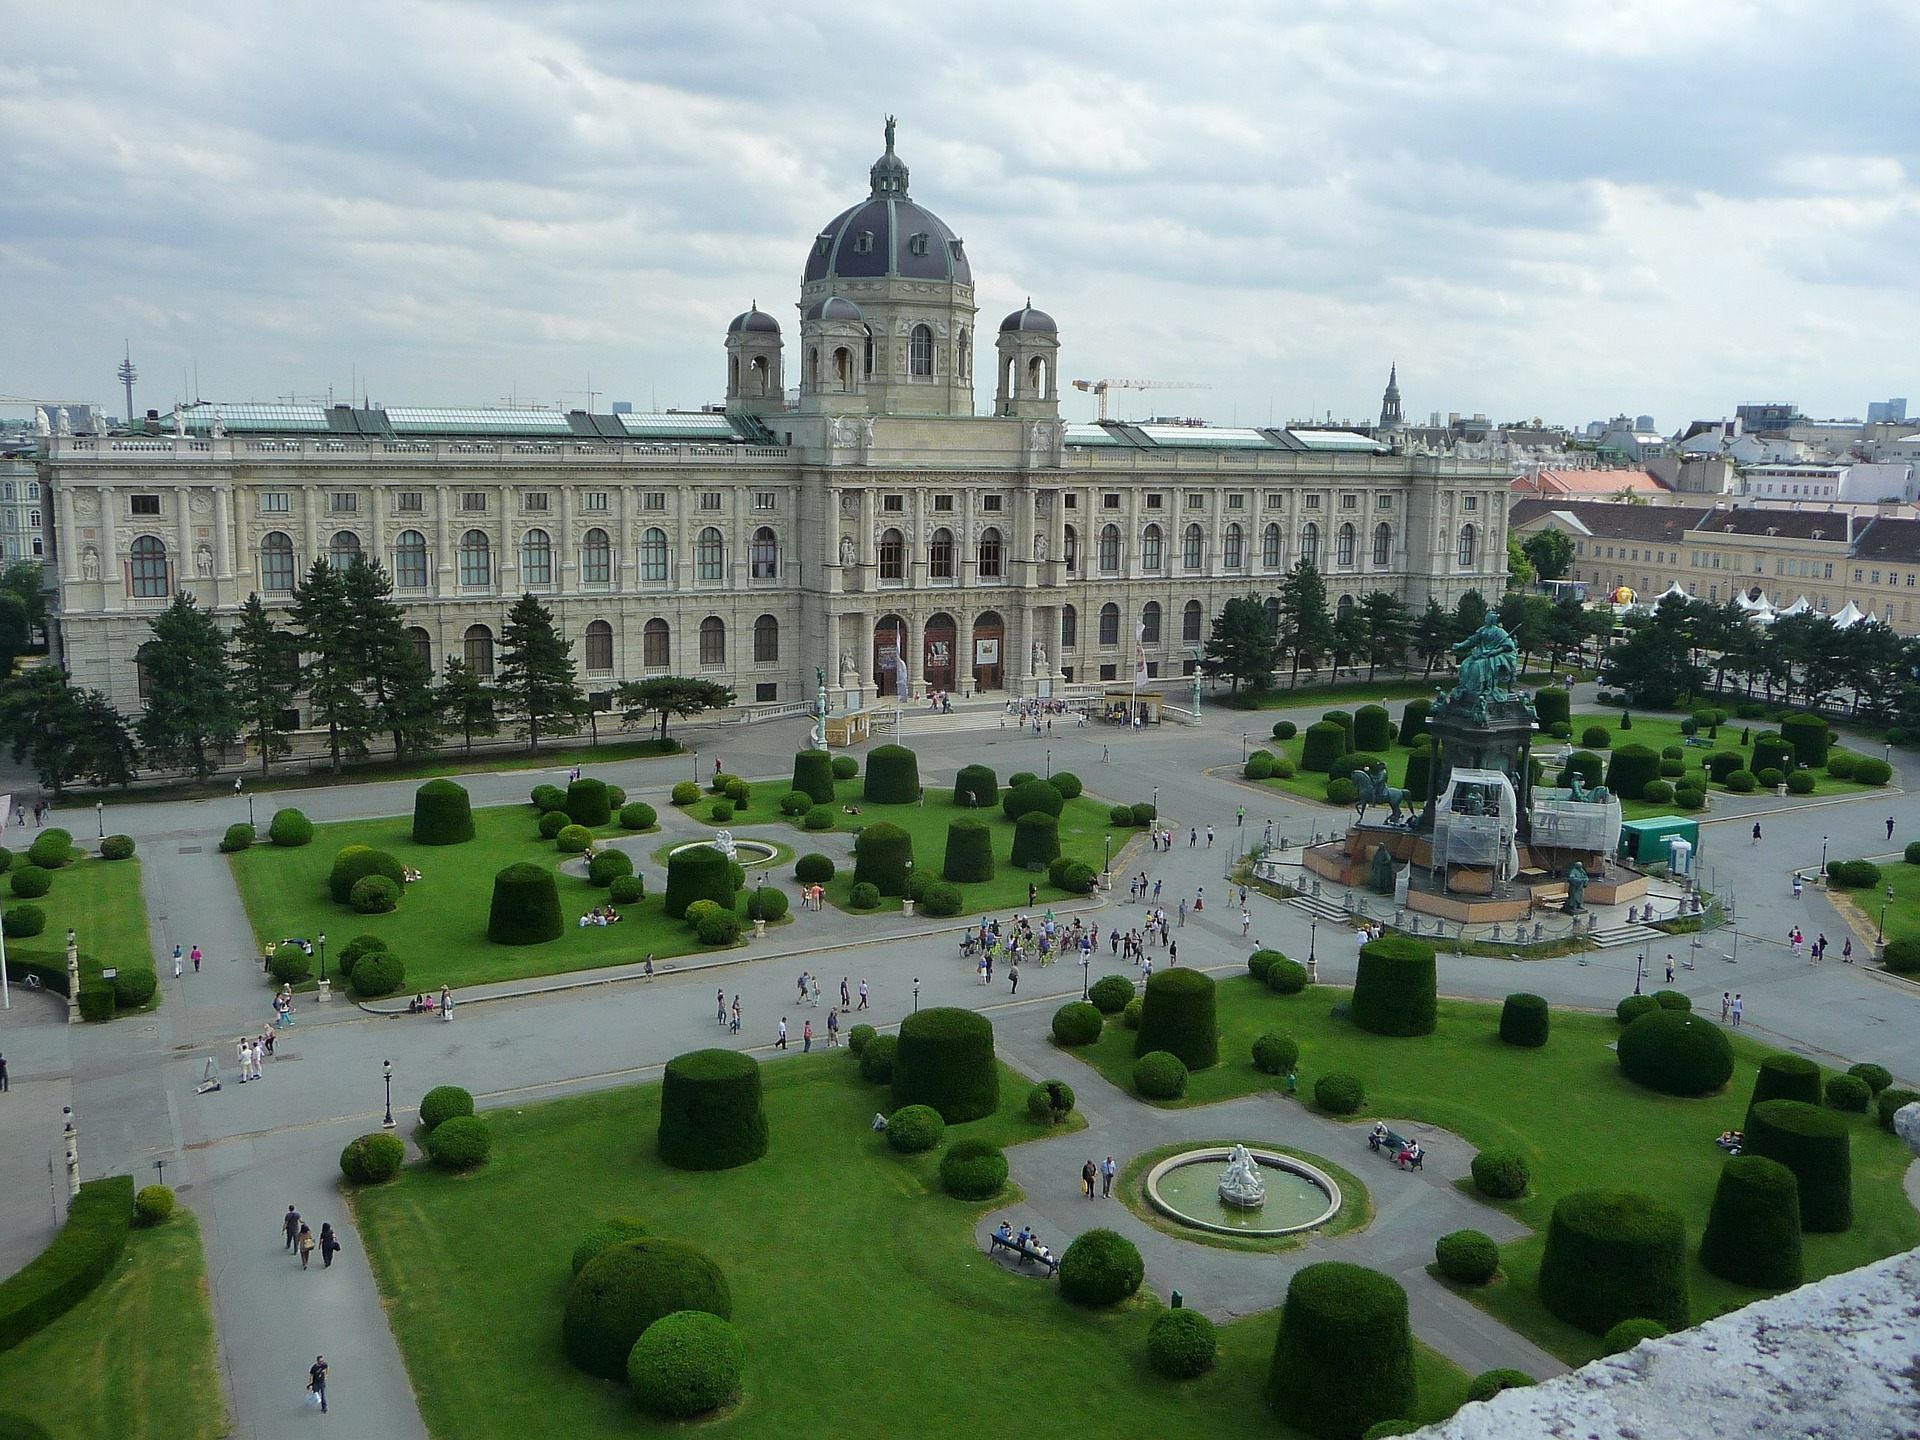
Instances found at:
x=223 y=536
x=184 y=569
x=73 y=979
x=113 y=573
x=565 y=561
x=444 y=582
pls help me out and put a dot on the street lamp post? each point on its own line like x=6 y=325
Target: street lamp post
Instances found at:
x=1313 y=952
x=916 y=994
x=1086 y=961
x=323 y=956
x=386 y=1072
x=1106 y=868
x=100 y=816
x=1243 y=747
x=1639 y=970
x=1823 y=855
x=1881 y=936
x=1156 y=801
x=1049 y=762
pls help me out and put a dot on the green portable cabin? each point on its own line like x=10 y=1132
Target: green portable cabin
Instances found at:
x=1645 y=841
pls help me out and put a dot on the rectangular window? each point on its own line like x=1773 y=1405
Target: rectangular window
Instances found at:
x=274 y=502
x=654 y=500
x=1856 y=575
x=143 y=505
x=473 y=502
x=943 y=504
x=1073 y=501
x=1107 y=672
x=1154 y=502
x=709 y=499
x=1352 y=502
x=764 y=500
x=1236 y=502
x=1313 y=502
x=594 y=502
x=343 y=502
x=893 y=504
x=1109 y=501
x=409 y=502
x=1470 y=503
x=1275 y=500
x=1196 y=501
x=1385 y=502
x=766 y=692
x=989 y=502
x=534 y=501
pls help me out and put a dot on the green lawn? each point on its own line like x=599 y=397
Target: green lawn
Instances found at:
x=865 y=1303
x=1903 y=911
x=440 y=928
x=1566 y=1107
x=135 y=1359
x=100 y=900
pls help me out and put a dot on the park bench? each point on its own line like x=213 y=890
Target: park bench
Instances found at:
x=1391 y=1144
x=997 y=1241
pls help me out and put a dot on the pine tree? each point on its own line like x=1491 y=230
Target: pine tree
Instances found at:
x=1432 y=634
x=1305 y=627
x=536 y=673
x=68 y=734
x=103 y=752
x=191 y=715
x=332 y=672
x=465 y=702
x=1469 y=614
x=1241 y=645
x=1389 y=629
x=665 y=695
x=397 y=680
x=266 y=675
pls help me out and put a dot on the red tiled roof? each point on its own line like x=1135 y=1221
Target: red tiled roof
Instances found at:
x=1587 y=482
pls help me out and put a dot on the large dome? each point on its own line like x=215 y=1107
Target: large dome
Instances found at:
x=887 y=235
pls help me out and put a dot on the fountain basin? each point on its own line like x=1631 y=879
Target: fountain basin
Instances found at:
x=748 y=852
x=1186 y=1188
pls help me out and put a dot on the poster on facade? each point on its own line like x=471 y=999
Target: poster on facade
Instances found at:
x=939 y=655
x=986 y=652
x=886 y=657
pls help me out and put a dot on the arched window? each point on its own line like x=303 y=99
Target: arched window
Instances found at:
x=422 y=644
x=1191 y=620
x=142 y=676
x=1344 y=546
x=1195 y=546
x=478 y=646
x=342 y=548
x=596 y=558
x=1110 y=549
x=940 y=556
x=963 y=353
x=1310 y=543
x=1109 y=624
x=813 y=368
x=409 y=560
x=843 y=369
x=1273 y=610
x=276 y=563
x=147 y=568
x=653 y=645
x=766 y=640
x=920 y=351
x=1469 y=546
x=764 y=556
x=653 y=554
x=476 y=564
x=599 y=646
x=1071 y=549
x=1037 y=376
x=1270 y=547
x=989 y=554
x=893 y=556
x=1150 y=623
x=759 y=372
x=1233 y=549
x=1150 y=557
x=713 y=641
x=867 y=364
x=709 y=556
x=1344 y=608
x=536 y=558
x=1069 y=628
x=1382 y=543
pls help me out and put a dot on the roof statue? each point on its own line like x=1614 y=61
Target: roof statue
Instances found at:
x=889 y=132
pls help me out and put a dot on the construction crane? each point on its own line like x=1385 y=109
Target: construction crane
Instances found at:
x=1099 y=388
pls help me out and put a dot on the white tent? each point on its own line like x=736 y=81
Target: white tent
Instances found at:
x=1850 y=615
x=1675 y=591
x=1741 y=598
x=1798 y=607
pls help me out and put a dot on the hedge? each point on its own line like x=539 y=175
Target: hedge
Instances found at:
x=1596 y=737
x=862 y=895
x=377 y=973
x=1629 y=1333
x=973 y=1169
x=290 y=828
x=374 y=895
x=1552 y=705
x=813 y=776
x=1275 y=1054
x=52 y=849
x=1160 y=1075
x=1676 y=1053
x=1344 y=719
x=1050 y=1102
x=1339 y=1093
x=629 y=1286
x=117 y=847
x=1500 y=1174
x=1413 y=720
x=915 y=1129
x=1177 y=1014
x=354 y=863
x=1753 y=1231
x=1871 y=771
x=526 y=906
x=588 y=802
x=685 y=793
x=350 y=953
x=881 y=853
x=1372 y=728
x=1259 y=765
x=1586 y=765
x=552 y=823
x=1034 y=795
x=699 y=872
x=1901 y=956
x=1182 y=1344
x=1614 y=1255
x=67 y=1271
x=1770 y=752
x=1110 y=994
x=573 y=839
x=549 y=798
x=1394 y=992
x=1036 y=841
x=638 y=815
x=23 y=922
x=442 y=814
x=373 y=1157
x=602 y=1237
x=1524 y=1020
x=1067 y=783
x=1786 y=1077
x=1890 y=1102
x=813 y=869
x=134 y=986
x=1075 y=877
x=462 y=1143
x=96 y=1001
x=976 y=787
x=1467 y=1257
x=893 y=776
x=945 y=1060
x=1814 y=1144
x=444 y=1103
x=686 y=1364
x=1632 y=1007
x=1285 y=729
x=1343 y=1357
x=1101 y=1267
x=768 y=905
x=1672 y=1000
x=1325 y=742
x=1723 y=763
x=1259 y=961
x=609 y=866
x=1853 y=874
x=1419 y=776
x=876 y=1059
x=1631 y=769
x=1489 y=1383
x=290 y=965
x=1875 y=1077
x=1145 y=812
x=30 y=882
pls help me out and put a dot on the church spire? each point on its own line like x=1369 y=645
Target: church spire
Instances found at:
x=1390 y=415
x=889 y=172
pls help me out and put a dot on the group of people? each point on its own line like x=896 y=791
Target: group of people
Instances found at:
x=940 y=702
x=1818 y=950
x=1041 y=940
x=303 y=1242
x=808 y=987
x=1101 y=1171
x=426 y=1003
x=1733 y=1008
x=250 y=1051
x=40 y=809
x=1409 y=1155
x=179 y=965
x=1731 y=1141
x=1025 y=1238
x=601 y=915
x=813 y=897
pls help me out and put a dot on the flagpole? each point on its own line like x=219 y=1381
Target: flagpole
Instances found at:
x=6 y=992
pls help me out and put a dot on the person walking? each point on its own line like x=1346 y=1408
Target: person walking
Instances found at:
x=806 y=1038
x=1173 y=951
x=329 y=1246
x=1846 y=958
x=1183 y=910
x=5 y=1084
x=720 y=1000
x=1107 y=1168
x=1088 y=1173
x=833 y=1028
x=243 y=1052
x=845 y=999
x=1240 y=816
x=649 y=967
x=1739 y=1010
x=863 y=996
x=1756 y=832
x=304 y=1244
x=1209 y=837
x=317 y=1380
x=1726 y=1004
x=1669 y=967
x=1246 y=924
x=290 y=1224
x=257 y=1055
x=1193 y=836
x=194 y=954
x=781 y=1043
x=735 y=1028
x=1013 y=978
x=1889 y=827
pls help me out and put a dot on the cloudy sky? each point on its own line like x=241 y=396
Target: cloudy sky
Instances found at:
x=1562 y=210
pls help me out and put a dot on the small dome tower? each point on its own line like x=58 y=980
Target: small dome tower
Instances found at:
x=1029 y=348
x=755 y=385
x=837 y=351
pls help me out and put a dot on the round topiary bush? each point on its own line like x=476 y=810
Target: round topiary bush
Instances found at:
x=1489 y=1383
x=863 y=896
x=1110 y=994
x=1676 y=1053
x=134 y=986
x=587 y=802
x=238 y=837
x=1067 y=783
x=462 y=1143
x=378 y=972
x=877 y=1057
x=51 y=849
x=291 y=828
x=354 y=863
x=813 y=775
x=30 y=882
x=821 y=817
x=1741 y=782
x=1800 y=782
x=350 y=953
x=699 y=872
x=973 y=1169
x=1050 y=1102
x=1275 y=1054
x=1338 y=1093
x=1035 y=797
x=605 y=1236
x=1689 y=797
x=1285 y=729
x=1890 y=1102
x=23 y=922
x=1586 y=765
x=1524 y=1020
x=1144 y=812
x=1130 y=1016
x=573 y=839
x=1395 y=992
x=1614 y=1255
x=622 y=1291
x=880 y=854
x=1160 y=1075
x=1875 y=1077
x=1629 y=1333
x=1753 y=1231
x=1672 y=1000
x=526 y=906
x=1120 y=815
x=1815 y=1145
x=1633 y=1007
x=686 y=1364
x=373 y=1157
x=1467 y=1257
x=608 y=866
x=685 y=793
x=1259 y=765
x=976 y=787
x=1552 y=704
x=858 y=1038
x=722 y=927
x=720 y=812
x=914 y=1129
x=1853 y=874
x=627 y=890
x=1258 y=962
x=969 y=857
x=1372 y=728
x=551 y=823
x=1286 y=977
x=374 y=895
x=1596 y=737
x=813 y=869
x=444 y=1103
x=638 y=816
x=442 y=815
x=153 y=1205
x=893 y=776
x=1902 y=956
x=1500 y=1174
x=768 y=905
x=845 y=767
x=1101 y=1267
x=945 y=1060
x=547 y=798
x=1342 y=791
x=117 y=847
x=1657 y=792
x=1786 y=1077
x=1770 y=752
x=290 y=965
x=1072 y=876
x=1182 y=1344
x=1632 y=768
x=1343 y=1358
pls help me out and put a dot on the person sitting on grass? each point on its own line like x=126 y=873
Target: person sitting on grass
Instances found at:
x=849 y=809
x=1730 y=1140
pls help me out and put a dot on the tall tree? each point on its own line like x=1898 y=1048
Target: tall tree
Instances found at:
x=191 y=714
x=25 y=581
x=536 y=674
x=1469 y=614
x=1524 y=617
x=1305 y=629
x=397 y=680
x=466 y=702
x=66 y=733
x=103 y=751
x=1520 y=571
x=1567 y=630
x=1241 y=645
x=16 y=635
x=331 y=674
x=665 y=695
x=1653 y=666
x=266 y=679
x=1349 y=639
x=1389 y=630
x=1550 y=551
